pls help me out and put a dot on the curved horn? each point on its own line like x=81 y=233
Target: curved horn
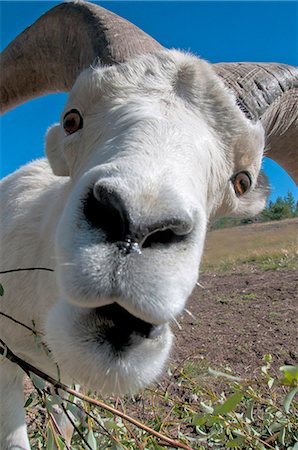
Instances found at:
x=269 y=92
x=48 y=56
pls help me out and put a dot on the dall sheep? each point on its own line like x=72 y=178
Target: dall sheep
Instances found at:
x=152 y=145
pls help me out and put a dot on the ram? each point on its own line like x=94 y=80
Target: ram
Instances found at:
x=151 y=146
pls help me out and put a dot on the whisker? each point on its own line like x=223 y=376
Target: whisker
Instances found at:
x=116 y=383
x=189 y=313
x=199 y=284
x=67 y=264
x=105 y=382
x=177 y=323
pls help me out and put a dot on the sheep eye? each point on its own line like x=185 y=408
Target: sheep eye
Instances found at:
x=241 y=182
x=72 y=121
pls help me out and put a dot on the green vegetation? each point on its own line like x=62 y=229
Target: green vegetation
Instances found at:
x=266 y=246
x=281 y=208
x=249 y=296
x=287 y=259
x=258 y=413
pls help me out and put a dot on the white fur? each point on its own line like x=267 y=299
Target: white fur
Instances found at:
x=163 y=132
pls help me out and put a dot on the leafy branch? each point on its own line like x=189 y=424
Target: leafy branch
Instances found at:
x=28 y=369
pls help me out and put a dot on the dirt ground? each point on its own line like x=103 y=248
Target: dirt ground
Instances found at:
x=239 y=317
x=233 y=320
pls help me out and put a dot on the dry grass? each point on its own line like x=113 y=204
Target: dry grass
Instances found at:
x=270 y=245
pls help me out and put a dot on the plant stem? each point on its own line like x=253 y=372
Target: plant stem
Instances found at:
x=26 y=269
x=20 y=323
x=58 y=385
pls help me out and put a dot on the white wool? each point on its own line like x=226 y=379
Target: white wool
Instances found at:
x=162 y=134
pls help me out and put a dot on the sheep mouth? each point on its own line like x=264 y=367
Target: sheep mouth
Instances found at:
x=121 y=329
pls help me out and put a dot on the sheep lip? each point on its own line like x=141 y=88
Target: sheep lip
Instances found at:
x=120 y=326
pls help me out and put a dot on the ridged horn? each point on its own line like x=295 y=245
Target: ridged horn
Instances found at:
x=269 y=92
x=48 y=56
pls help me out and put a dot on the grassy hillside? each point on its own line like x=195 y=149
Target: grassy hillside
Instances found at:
x=270 y=245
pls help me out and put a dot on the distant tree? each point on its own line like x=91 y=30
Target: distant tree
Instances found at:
x=281 y=208
x=291 y=203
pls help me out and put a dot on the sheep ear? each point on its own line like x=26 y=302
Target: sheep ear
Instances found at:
x=54 y=151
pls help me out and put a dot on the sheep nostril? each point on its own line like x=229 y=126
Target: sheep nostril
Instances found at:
x=104 y=210
x=167 y=235
x=160 y=237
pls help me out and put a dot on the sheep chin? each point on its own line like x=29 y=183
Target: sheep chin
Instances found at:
x=75 y=338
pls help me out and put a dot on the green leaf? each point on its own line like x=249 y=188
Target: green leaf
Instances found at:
x=290 y=373
x=270 y=382
x=268 y=358
x=282 y=435
x=250 y=410
x=206 y=408
x=116 y=446
x=216 y=373
x=199 y=420
x=91 y=440
x=238 y=432
x=37 y=381
x=288 y=399
x=55 y=399
x=111 y=425
x=235 y=443
x=75 y=411
x=275 y=426
x=61 y=443
x=49 y=407
x=210 y=421
x=230 y=404
x=29 y=400
x=201 y=432
x=50 y=439
x=1 y=290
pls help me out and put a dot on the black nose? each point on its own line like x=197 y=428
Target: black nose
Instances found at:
x=105 y=210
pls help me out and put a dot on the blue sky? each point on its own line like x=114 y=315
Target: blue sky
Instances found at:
x=218 y=31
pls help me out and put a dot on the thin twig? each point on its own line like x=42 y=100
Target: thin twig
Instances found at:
x=58 y=429
x=26 y=269
x=55 y=423
x=248 y=436
x=139 y=445
x=58 y=385
x=105 y=432
x=54 y=432
x=75 y=427
x=20 y=323
x=272 y=438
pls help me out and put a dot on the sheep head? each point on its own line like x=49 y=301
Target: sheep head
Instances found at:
x=150 y=159
x=153 y=148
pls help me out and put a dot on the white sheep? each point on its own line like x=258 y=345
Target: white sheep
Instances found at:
x=148 y=151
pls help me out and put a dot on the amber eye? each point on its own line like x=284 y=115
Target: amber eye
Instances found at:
x=72 y=121
x=241 y=182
